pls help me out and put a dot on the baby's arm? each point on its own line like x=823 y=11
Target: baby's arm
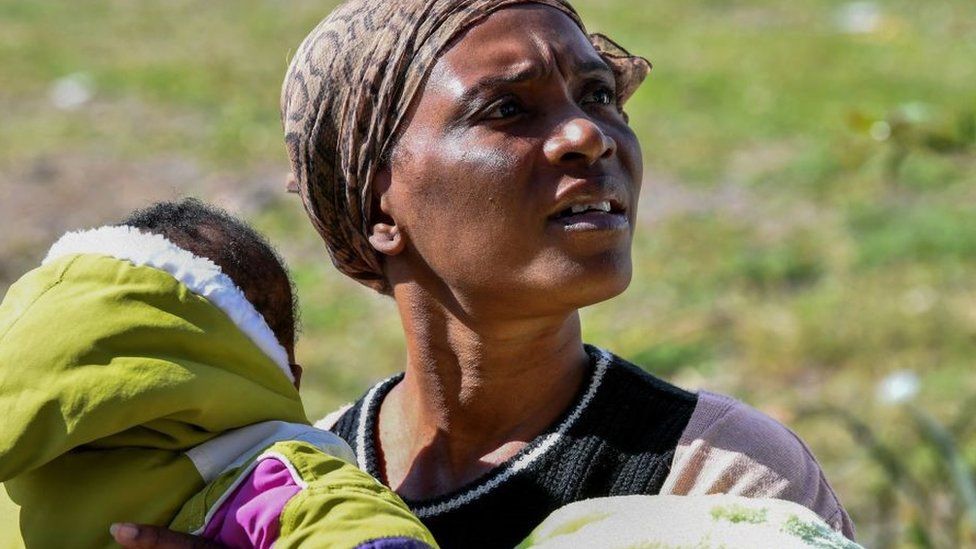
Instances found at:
x=250 y=516
x=295 y=495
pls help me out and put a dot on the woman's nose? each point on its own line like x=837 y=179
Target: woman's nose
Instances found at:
x=578 y=141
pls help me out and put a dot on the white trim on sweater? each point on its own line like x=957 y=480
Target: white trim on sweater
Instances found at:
x=531 y=453
x=202 y=276
x=361 y=428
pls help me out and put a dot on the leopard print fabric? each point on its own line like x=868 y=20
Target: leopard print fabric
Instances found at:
x=347 y=91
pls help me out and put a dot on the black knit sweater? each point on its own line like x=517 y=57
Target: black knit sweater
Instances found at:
x=618 y=438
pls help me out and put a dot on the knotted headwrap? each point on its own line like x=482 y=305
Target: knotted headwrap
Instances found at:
x=346 y=93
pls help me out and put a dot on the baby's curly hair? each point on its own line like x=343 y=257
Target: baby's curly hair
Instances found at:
x=242 y=254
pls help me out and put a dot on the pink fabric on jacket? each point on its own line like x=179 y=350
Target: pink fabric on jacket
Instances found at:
x=250 y=516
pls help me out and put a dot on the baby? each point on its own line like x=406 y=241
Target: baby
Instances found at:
x=147 y=375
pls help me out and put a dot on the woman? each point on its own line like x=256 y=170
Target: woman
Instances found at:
x=471 y=159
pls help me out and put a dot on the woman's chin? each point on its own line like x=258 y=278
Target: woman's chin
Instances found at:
x=591 y=281
x=553 y=284
x=604 y=288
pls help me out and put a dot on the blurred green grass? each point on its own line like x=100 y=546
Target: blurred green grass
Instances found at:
x=807 y=212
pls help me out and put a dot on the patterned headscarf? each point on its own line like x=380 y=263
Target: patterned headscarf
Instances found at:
x=347 y=91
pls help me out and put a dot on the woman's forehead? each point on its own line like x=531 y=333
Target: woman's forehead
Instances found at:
x=517 y=43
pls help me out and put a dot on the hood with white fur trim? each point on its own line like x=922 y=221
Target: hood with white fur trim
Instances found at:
x=117 y=357
x=201 y=275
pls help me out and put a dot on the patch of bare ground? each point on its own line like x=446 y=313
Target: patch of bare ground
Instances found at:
x=43 y=198
x=665 y=198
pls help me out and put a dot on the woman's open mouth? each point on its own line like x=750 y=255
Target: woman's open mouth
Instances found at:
x=595 y=216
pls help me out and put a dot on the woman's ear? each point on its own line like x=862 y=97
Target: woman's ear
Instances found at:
x=384 y=235
x=387 y=239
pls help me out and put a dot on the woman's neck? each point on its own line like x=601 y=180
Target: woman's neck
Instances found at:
x=474 y=393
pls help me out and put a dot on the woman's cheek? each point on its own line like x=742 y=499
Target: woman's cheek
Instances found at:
x=490 y=178
x=493 y=158
x=631 y=155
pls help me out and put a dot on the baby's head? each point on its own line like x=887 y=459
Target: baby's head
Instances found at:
x=242 y=254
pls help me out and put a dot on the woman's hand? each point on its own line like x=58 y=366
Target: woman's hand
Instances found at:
x=141 y=536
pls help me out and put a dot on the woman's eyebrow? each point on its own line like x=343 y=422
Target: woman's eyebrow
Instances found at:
x=517 y=75
x=592 y=67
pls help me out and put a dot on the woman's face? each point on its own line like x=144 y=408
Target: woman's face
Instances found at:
x=515 y=180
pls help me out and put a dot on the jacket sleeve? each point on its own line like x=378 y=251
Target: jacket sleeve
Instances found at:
x=343 y=506
x=250 y=516
x=731 y=448
x=295 y=495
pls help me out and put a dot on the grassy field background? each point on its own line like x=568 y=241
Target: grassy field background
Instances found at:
x=807 y=239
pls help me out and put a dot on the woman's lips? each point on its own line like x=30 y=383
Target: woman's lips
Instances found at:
x=592 y=220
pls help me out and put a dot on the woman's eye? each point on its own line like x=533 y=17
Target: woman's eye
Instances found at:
x=601 y=96
x=506 y=109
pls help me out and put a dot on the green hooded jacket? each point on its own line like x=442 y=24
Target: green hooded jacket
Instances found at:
x=128 y=368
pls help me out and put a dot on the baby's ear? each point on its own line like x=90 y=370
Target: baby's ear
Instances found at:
x=296 y=372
